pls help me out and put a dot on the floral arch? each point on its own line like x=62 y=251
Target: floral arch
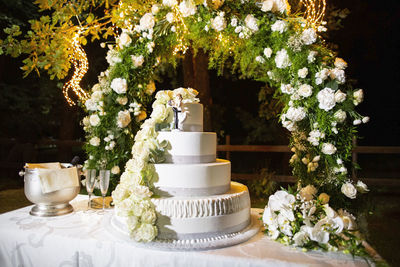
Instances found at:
x=261 y=41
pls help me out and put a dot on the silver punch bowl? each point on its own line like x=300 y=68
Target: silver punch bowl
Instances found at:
x=48 y=204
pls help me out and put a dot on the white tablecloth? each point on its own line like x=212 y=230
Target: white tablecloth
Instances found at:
x=80 y=239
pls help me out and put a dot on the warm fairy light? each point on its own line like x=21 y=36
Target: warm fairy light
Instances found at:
x=315 y=11
x=80 y=62
x=181 y=46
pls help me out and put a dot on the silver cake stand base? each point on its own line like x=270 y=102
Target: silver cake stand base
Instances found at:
x=51 y=210
x=219 y=241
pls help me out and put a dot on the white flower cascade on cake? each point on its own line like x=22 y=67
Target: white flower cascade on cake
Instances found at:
x=132 y=195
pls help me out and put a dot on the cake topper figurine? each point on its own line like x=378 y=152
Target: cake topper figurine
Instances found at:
x=179 y=116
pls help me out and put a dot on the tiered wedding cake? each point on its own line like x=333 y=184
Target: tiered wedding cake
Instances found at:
x=197 y=200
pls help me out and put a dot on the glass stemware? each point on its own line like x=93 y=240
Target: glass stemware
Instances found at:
x=90 y=181
x=104 y=183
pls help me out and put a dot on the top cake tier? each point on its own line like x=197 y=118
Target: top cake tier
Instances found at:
x=191 y=117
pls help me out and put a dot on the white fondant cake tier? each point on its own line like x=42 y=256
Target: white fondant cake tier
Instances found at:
x=193 y=179
x=189 y=147
x=194 y=117
x=199 y=217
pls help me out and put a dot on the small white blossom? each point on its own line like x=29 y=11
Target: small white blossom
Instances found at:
x=234 y=22
x=361 y=187
x=338 y=74
x=170 y=3
x=187 y=8
x=311 y=56
x=340 y=115
x=147 y=22
x=123 y=118
x=137 y=60
x=358 y=96
x=349 y=190
x=267 y=52
x=328 y=149
x=340 y=63
x=282 y=59
x=365 y=119
x=340 y=96
x=326 y=99
x=287 y=89
x=260 y=59
x=218 y=23
x=170 y=17
x=305 y=90
x=119 y=85
x=94 y=120
x=296 y=114
x=94 y=141
x=357 y=122
x=302 y=73
x=309 y=36
x=279 y=26
x=251 y=23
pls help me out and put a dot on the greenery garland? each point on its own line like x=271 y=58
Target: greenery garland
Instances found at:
x=257 y=40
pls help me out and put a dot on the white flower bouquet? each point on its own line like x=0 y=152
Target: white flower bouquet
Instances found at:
x=304 y=219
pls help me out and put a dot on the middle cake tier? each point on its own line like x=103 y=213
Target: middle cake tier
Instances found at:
x=202 y=179
x=189 y=147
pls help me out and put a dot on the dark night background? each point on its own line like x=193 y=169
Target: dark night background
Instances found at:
x=33 y=108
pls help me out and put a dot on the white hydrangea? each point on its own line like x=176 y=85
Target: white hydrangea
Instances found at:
x=287 y=89
x=123 y=118
x=340 y=63
x=296 y=114
x=358 y=96
x=94 y=119
x=302 y=73
x=147 y=22
x=112 y=57
x=305 y=90
x=187 y=8
x=124 y=39
x=311 y=56
x=340 y=96
x=321 y=76
x=137 y=60
x=338 y=74
x=267 y=52
x=328 y=149
x=119 y=85
x=282 y=59
x=315 y=136
x=279 y=26
x=218 y=23
x=251 y=23
x=340 y=115
x=309 y=36
x=326 y=99
x=94 y=141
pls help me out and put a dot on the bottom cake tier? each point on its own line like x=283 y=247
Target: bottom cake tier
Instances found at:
x=188 y=218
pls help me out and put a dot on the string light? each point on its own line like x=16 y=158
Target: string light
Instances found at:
x=80 y=62
x=181 y=46
x=315 y=11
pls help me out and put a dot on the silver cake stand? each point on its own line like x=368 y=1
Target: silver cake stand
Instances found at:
x=221 y=241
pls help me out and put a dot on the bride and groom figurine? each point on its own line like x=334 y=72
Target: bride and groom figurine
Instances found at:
x=179 y=115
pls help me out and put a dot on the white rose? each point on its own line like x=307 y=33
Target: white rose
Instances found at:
x=170 y=3
x=338 y=74
x=123 y=118
x=340 y=63
x=112 y=57
x=311 y=56
x=357 y=122
x=309 y=36
x=115 y=169
x=282 y=59
x=97 y=95
x=340 y=96
x=267 y=52
x=119 y=85
x=251 y=23
x=218 y=23
x=279 y=26
x=365 y=119
x=94 y=141
x=340 y=115
x=187 y=8
x=91 y=104
x=287 y=89
x=321 y=76
x=147 y=22
x=279 y=6
x=328 y=149
x=170 y=17
x=122 y=100
x=305 y=90
x=137 y=60
x=260 y=59
x=160 y=113
x=296 y=114
x=146 y=232
x=358 y=96
x=234 y=22
x=315 y=136
x=308 y=192
x=86 y=121
x=361 y=187
x=124 y=40
x=302 y=73
x=349 y=190
x=94 y=120
x=326 y=99
x=267 y=5
x=96 y=87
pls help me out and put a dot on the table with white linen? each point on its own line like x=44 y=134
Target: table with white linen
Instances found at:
x=81 y=239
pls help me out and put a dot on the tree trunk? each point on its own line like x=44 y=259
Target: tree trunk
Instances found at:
x=195 y=70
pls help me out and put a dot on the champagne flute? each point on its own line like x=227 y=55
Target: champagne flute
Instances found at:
x=90 y=181
x=104 y=183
